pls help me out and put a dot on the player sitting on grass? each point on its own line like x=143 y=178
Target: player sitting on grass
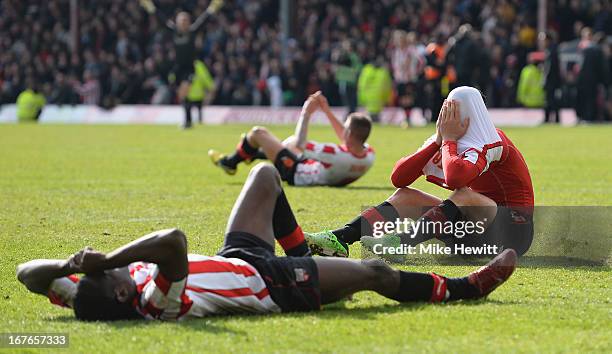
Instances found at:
x=306 y=163
x=468 y=155
x=154 y=277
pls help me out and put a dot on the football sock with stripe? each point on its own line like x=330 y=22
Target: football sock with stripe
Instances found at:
x=416 y=287
x=433 y=288
x=286 y=229
x=244 y=151
x=363 y=224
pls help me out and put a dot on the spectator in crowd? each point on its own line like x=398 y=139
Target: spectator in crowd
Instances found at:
x=275 y=84
x=89 y=89
x=463 y=55
x=592 y=77
x=434 y=72
x=201 y=86
x=530 y=90
x=62 y=91
x=552 y=78
x=374 y=87
x=407 y=61
x=347 y=67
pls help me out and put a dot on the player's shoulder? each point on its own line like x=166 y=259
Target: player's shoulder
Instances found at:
x=324 y=147
x=504 y=137
x=506 y=143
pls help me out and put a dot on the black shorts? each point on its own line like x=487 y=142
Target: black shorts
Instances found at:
x=183 y=73
x=293 y=282
x=286 y=163
x=405 y=89
x=510 y=229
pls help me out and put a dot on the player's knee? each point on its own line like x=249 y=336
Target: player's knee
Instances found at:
x=403 y=195
x=381 y=275
x=290 y=141
x=474 y=205
x=259 y=131
x=265 y=175
x=467 y=197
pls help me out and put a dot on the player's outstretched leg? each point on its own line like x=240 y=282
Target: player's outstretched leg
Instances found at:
x=405 y=203
x=340 y=278
x=251 y=146
x=463 y=204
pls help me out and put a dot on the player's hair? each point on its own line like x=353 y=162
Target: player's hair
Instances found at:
x=92 y=303
x=360 y=126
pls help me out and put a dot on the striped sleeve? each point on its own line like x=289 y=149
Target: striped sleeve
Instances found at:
x=63 y=290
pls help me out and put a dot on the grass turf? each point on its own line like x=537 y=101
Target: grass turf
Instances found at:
x=64 y=187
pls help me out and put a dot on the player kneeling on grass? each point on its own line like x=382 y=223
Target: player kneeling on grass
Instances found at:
x=488 y=176
x=154 y=277
x=306 y=163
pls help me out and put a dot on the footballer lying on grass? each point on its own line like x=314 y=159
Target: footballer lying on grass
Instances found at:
x=154 y=277
x=468 y=155
x=307 y=163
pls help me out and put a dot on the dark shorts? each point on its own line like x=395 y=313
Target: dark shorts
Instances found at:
x=184 y=74
x=510 y=229
x=405 y=89
x=293 y=282
x=286 y=163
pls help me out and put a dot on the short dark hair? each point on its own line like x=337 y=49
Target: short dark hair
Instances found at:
x=92 y=302
x=360 y=126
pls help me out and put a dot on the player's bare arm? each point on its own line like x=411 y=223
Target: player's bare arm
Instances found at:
x=166 y=248
x=333 y=120
x=38 y=274
x=301 y=129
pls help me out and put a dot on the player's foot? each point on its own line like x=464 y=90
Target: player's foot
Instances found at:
x=218 y=159
x=495 y=273
x=387 y=241
x=325 y=243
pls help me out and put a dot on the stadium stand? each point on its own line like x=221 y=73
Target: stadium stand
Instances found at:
x=125 y=55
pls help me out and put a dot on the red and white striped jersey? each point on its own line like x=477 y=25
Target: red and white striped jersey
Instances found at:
x=215 y=285
x=407 y=63
x=331 y=165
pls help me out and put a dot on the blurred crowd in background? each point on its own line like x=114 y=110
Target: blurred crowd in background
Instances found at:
x=369 y=54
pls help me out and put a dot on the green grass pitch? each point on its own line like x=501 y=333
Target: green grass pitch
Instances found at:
x=64 y=187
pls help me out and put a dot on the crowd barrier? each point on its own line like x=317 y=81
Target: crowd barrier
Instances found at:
x=149 y=114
